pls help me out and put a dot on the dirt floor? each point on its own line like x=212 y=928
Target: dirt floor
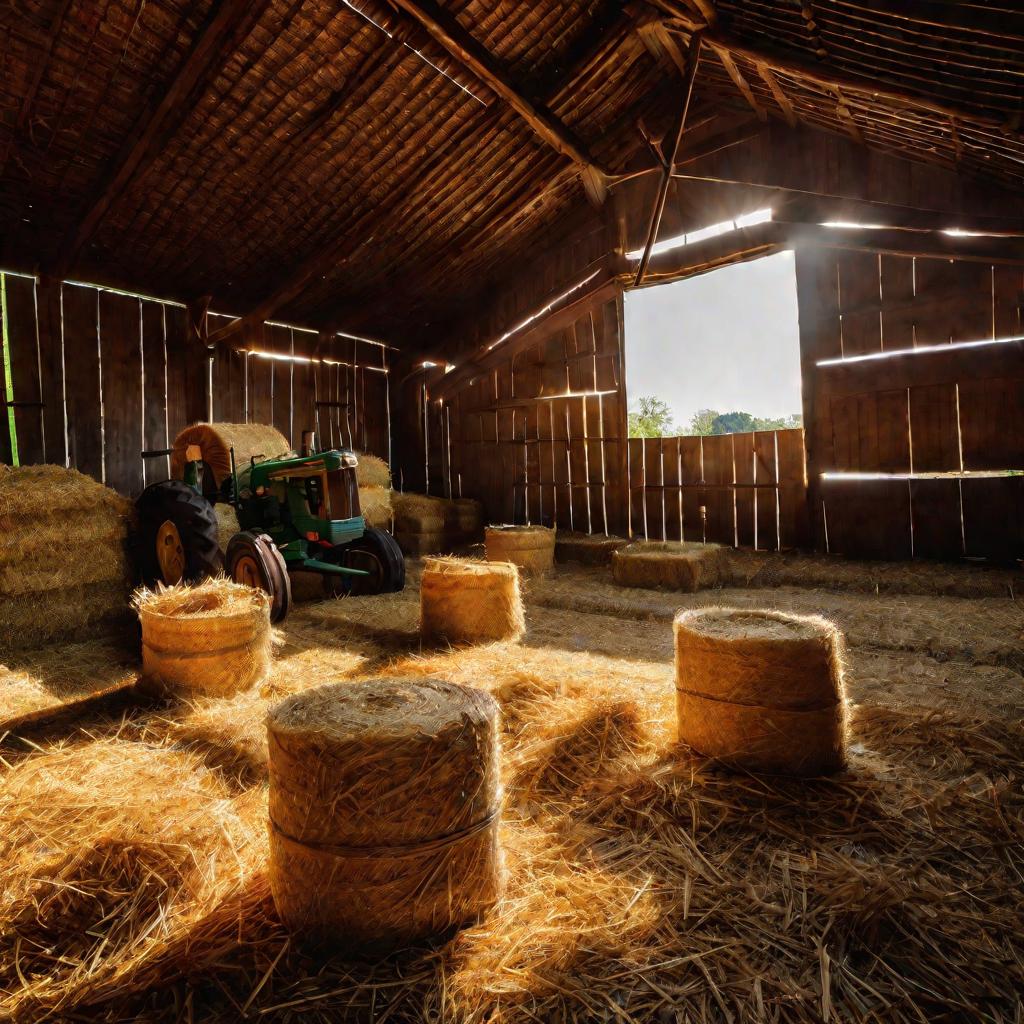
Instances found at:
x=644 y=883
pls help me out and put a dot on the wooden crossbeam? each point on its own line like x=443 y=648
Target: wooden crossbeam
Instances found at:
x=220 y=38
x=739 y=81
x=463 y=47
x=777 y=94
x=692 y=62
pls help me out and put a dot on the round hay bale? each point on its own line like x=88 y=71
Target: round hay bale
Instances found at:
x=761 y=690
x=215 y=441
x=212 y=639
x=530 y=547
x=385 y=801
x=470 y=602
x=372 y=471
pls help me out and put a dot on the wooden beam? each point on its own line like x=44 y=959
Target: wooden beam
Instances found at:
x=831 y=78
x=217 y=41
x=692 y=62
x=463 y=47
x=603 y=286
x=777 y=94
x=739 y=81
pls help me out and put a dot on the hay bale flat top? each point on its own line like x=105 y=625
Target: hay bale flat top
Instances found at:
x=410 y=709
x=737 y=624
x=216 y=598
x=668 y=549
x=45 y=490
x=469 y=569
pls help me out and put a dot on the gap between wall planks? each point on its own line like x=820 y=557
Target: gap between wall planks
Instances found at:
x=934 y=411
x=118 y=374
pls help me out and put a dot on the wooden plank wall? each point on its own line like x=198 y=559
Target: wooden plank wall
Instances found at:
x=540 y=439
x=922 y=422
x=100 y=376
x=744 y=490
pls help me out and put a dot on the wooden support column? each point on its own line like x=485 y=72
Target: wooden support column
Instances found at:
x=199 y=333
x=692 y=60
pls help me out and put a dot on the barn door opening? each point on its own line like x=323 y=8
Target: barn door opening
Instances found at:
x=716 y=449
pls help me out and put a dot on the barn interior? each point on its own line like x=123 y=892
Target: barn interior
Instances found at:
x=411 y=226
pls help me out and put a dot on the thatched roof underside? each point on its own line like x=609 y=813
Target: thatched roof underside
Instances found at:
x=229 y=148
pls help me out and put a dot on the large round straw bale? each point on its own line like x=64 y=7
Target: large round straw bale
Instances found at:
x=530 y=547
x=761 y=690
x=215 y=441
x=669 y=564
x=372 y=471
x=470 y=602
x=385 y=802
x=213 y=638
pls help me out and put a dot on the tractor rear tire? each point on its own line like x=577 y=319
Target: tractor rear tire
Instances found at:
x=253 y=559
x=376 y=551
x=177 y=536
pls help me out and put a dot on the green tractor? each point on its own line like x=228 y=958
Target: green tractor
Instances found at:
x=297 y=513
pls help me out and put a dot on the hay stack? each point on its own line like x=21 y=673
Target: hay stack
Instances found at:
x=215 y=441
x=467 y=520
x=385 y=801
x=372 y=471
x=63 y=565
x=227 y=524
x=375 y=504
x=470 y=602
x=761 y=690
x=420 y=523
x=587 y=548
x=212 y=639
x=530 y=547
x=668 y=564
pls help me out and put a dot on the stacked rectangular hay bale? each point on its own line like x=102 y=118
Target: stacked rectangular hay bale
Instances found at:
x=64 y=570
x=425 y=525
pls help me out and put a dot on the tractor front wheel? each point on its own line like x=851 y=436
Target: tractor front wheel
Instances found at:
x=177 y=535
x=253 y=559
x=376 y=553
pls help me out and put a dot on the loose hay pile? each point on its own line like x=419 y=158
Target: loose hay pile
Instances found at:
x=470 y=602
x=385 y=797
x=670 y=564
x=761 y=690
x=213 y=638
x=532 y=548
x=63 y=566
x=642 y=886
x=216 y=440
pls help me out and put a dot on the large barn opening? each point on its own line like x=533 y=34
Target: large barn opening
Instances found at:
x=712 y=380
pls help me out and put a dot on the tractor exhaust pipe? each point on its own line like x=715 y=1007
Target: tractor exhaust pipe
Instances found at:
x=308 y=442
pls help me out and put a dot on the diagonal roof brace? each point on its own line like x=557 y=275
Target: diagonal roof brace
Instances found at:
x=463 y=47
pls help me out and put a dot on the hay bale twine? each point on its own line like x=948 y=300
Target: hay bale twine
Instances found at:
x=668 y=564
x=530 y=547
x=212 y=639
x=215 y=441
x=470 y=602
x=385 y=801
x=761 y=690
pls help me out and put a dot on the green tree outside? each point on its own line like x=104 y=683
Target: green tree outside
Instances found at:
x=652 y=417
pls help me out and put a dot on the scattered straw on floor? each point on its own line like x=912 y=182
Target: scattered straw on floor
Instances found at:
x=643 y=885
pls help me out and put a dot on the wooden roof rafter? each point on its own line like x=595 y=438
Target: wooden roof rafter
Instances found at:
x=463 y=47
